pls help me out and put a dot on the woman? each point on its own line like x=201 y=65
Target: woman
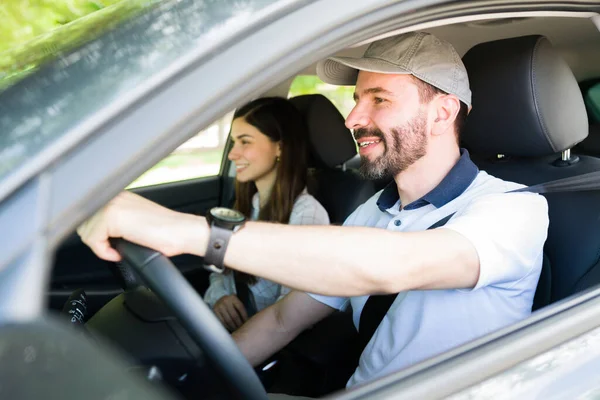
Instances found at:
x=270 y=155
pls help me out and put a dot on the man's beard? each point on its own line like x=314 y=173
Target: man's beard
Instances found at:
x=408 y=144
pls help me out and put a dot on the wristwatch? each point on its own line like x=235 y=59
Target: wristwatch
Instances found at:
x=223 y=222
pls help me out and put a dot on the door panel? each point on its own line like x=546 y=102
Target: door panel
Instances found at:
x=76 y=266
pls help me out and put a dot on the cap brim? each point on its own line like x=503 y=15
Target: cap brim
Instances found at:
x=344 y=70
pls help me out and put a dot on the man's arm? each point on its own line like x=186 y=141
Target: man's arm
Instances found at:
x=329 y=260
x=353 y=261
x=274 y=327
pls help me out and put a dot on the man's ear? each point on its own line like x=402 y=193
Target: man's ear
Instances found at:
x=446 y=109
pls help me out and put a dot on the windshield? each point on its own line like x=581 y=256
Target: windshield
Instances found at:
x=67 y=89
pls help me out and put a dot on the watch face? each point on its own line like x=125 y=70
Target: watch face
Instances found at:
x=227 y=214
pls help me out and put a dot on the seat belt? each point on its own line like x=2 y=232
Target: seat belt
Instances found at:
x=377 y=306
x=243 y=293
x=579 y=183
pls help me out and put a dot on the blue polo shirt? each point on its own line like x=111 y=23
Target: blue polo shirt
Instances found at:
x=508 y=230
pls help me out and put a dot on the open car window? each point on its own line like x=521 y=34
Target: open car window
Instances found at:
x=340 y=96
x=199 y=157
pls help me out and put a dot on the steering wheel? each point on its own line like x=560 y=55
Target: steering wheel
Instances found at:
x=163 y=278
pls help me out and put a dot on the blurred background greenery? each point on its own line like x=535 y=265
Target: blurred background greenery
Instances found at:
x=24 y=20
x=33 y=31
x=340 y=96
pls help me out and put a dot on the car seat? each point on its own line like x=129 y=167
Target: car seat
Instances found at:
x=528 y=112
x=339 y=189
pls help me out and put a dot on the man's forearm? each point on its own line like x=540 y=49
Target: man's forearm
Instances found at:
x=330 y=260
x=350 y=261
x=319 y=259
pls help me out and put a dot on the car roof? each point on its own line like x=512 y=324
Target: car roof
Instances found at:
x=574 y=35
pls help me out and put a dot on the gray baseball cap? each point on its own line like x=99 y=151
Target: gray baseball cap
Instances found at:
x=417 y=53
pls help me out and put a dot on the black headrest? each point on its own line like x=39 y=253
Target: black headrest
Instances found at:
x=331 y=143
x=526 y=101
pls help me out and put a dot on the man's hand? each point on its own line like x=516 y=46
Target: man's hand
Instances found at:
x=231 y=312
x=141 y=221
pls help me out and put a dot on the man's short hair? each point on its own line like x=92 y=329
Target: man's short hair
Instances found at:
x=427 y=92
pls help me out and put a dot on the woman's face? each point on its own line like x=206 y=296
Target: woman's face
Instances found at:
x=253 y=153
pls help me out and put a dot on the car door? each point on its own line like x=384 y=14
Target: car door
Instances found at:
x=189 y=180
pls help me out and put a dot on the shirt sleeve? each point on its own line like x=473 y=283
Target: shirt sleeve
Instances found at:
x=508 y=231
x=216 y=289
x=339 y=303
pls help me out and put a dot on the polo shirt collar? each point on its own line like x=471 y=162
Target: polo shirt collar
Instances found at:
x=453 y=185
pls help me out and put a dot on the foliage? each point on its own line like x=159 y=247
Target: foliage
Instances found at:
x=25 y=20
x=33 y=32
x=340 y=96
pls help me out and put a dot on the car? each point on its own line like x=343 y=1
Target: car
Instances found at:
x=80 y=126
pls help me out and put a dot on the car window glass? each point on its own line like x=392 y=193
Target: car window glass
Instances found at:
x=35 y=33
x=86 y=82
x=592 y=102
x=199 y=157
x=340 y=96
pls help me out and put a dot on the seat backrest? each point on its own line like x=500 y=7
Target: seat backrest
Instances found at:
x=339 y=190
x=527 y=108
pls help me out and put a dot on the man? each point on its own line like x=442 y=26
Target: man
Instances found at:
x=473 y=275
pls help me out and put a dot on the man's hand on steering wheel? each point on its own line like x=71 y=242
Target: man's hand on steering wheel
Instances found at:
x=231 y=312
x=154 y=229
x=141 y=221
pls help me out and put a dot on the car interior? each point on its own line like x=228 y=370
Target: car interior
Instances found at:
x=533 y=121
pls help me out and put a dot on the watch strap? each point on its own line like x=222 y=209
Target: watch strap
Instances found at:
x=215 y=252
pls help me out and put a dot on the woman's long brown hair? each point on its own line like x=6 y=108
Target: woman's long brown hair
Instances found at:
x=280 y=120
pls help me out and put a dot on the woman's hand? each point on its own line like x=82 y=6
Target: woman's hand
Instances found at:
x=141 y=221
x=231 y=312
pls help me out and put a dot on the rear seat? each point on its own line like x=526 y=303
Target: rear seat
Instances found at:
x=338 y=189
x=529 y=109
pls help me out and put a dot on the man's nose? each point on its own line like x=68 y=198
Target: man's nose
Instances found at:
x=358 y=118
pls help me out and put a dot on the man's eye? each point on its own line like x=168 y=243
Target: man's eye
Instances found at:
x=379 y=100
x=244 y=142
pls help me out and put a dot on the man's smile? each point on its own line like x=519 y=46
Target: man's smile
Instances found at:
x=367 y=144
